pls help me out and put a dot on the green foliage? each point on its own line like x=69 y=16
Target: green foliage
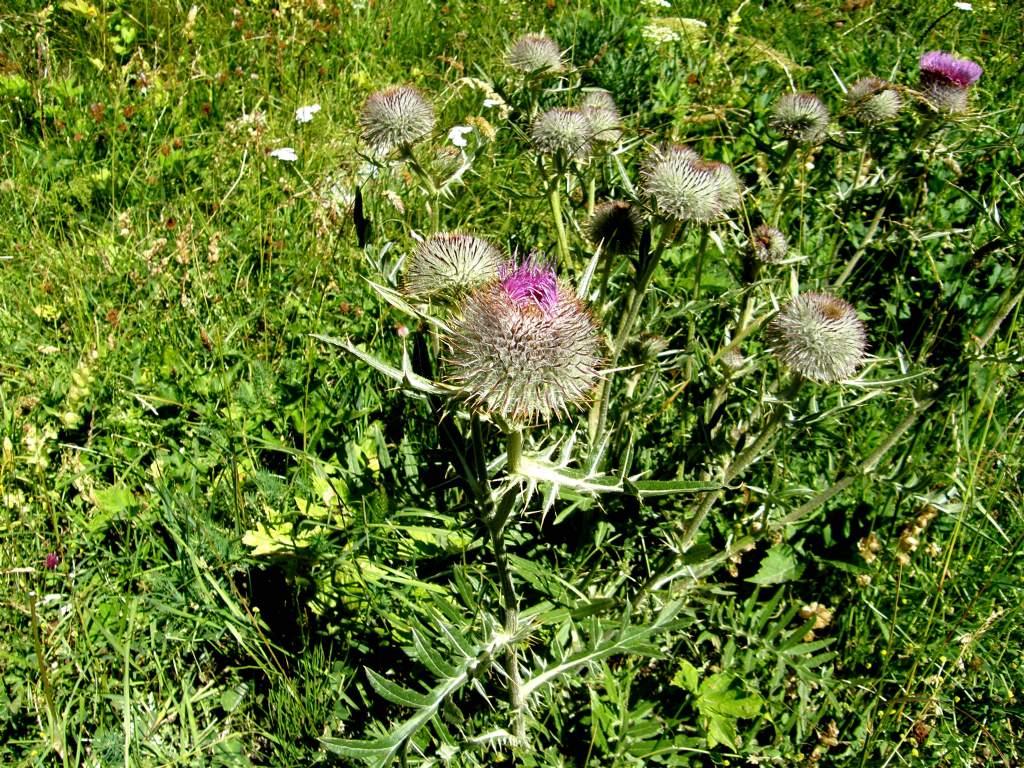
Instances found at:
x=245 y=522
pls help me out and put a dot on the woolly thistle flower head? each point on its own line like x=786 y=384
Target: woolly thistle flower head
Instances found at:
x=685 y=187
x=946 y=79
x=535 y=53
x=873 y=101
x=448 y=264
x=617 y=226
x=802 y=117
x=525 y=347
x=768 y=245
x=599 y=108
x=819 y=336
x=395 y=116
x=562 y=130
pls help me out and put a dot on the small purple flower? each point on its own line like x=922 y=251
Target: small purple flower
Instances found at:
x=944 y=67
x=52 y=561
x=946 y=80
x=530 y=282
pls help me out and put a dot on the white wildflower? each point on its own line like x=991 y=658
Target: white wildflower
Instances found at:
x=964 y=6
x=457 y=135
x=305 y=114
x=287 y=154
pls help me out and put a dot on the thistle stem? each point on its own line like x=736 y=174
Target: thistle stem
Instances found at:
x=555 y=199
x=496 y=525
x=599 y=410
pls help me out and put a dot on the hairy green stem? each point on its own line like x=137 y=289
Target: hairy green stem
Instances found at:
x=496 y=525
x=599 y=410
x=555 y=199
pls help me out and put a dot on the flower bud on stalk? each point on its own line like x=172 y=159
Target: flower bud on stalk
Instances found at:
x=448 y=264
x=819 y=336
x=801 y=117
x=394 y=117
x=535 y=53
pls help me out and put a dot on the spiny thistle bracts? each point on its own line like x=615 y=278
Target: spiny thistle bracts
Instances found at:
x=873 y=101
x=819 y=336
x=768 y=245
x=535 y=53
x=802 y=117
x=946 y=80
x=616 y=226
x=684 y=187
x=394 y=117
x=449 y=264
x=600 y=109
x=562 y=130
x=525 y=347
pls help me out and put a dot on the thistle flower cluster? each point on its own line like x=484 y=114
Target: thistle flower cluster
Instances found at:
x=946 y=80
x=685 y=187
x=525 y=347
x=600 y=109
x=872 y=100
x=616 y=226
x=535 y=53
x=395 y=116
x=448 y=264
x=560 y=130
x=768 y=245
x=819 y=336
x=802 y=117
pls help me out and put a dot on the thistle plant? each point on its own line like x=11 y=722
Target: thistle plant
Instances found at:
x=768 y=245
x=801 y=117
x=946 y=80
x=563 y=133
x=525 y=348
x=395 y=118
x=819 y=336
x=873 y=101
x=684 y=188
x=535 y=54
x=448 y=264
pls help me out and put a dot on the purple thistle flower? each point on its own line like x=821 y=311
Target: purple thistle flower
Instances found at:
x=525 y=347
x=52 y=561
x=946 y=80
x=530 y=282
x=939 y=65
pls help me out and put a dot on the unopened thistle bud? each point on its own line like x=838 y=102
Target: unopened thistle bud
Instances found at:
x=450 y=264
x=873 y=101
x=682 y=185
x=819 y=336
x=946 y=80
x=616 y=226
x=768 y=245
x=395 y=116
x=525 y=348
x=730 y=188
x=599 y=108
x=801 y=117
x=535 y=53
x=562 y=130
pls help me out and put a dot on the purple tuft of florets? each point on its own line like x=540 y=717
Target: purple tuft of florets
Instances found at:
x=942 y=67
x=533 y=281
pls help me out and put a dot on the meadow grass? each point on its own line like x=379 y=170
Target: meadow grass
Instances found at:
x=214 y=522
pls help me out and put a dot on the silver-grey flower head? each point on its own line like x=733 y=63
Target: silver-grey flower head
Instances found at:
x=599 y=108
x=395 y=116
x=562 y=130
x=535 y=53
x=819 y=336
x=730 y=188
x=801 y=117
x=525 y=347
x=616 y=226
x=450 y=264
x=682 y=186
x=873 y=101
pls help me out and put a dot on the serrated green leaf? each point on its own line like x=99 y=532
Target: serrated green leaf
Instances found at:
x=686 y=676
x=396 y=693
x=779 y=565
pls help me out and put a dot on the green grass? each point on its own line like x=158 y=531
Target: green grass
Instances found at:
x=164 y=403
